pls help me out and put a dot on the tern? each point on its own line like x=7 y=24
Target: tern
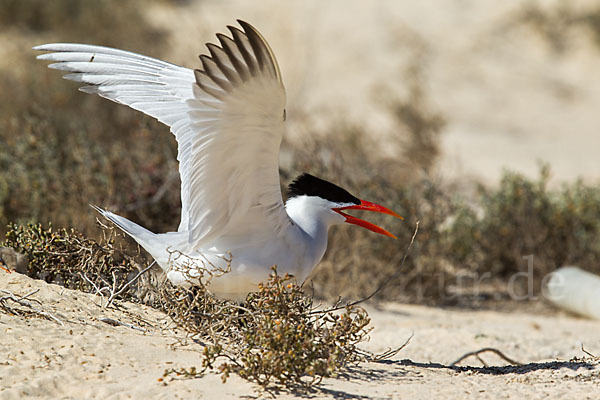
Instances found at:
x=228 y=118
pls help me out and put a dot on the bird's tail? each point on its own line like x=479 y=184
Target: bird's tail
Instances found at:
x=155 y=244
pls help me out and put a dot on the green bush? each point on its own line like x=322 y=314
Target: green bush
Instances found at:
x=523 y=217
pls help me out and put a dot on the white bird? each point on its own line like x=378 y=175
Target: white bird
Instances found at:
x=228 y=119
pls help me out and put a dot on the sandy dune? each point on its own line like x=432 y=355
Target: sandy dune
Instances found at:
x=510 y=99
x=82 y=357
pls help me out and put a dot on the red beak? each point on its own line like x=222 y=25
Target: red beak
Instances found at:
x=367 y=205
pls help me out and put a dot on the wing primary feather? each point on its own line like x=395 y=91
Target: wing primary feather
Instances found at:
x=263 y=52
x=212 y=71
x=219 y=56
x=243 y=45
x=257 y=48
x=236 y=58
x=202 y=79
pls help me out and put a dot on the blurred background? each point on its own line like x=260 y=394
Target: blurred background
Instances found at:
x=477 y=118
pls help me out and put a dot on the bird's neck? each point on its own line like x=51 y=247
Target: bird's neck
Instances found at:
x=314 y=228
x=312 y=218
x=310 y=242
x=309 y=216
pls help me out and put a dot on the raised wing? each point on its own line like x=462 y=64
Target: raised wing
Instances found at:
x=227 y=117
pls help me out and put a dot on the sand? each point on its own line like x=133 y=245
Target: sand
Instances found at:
x=73 y=354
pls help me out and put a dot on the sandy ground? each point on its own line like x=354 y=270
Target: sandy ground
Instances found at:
x=73 y=354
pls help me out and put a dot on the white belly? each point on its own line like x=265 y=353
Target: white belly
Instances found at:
x=247 y=263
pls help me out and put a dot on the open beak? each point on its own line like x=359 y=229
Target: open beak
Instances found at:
x=368 y=206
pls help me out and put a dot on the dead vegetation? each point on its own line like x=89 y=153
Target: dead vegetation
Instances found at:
x=277 y=338
x=68 y=258
x=477 y=354
x=25 y=307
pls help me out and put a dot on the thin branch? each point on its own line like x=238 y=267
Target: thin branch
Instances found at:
x=115 y=294
x=587 y=352
x=486 y=349
x=386 y=355
x=114 y=322
x=481 y=360
x=21 y=300
x=17 y=299
x=31 y=294
x=384 y=283
x=98 y=290
x=50 y=316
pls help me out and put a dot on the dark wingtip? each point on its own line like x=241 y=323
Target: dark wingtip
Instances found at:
x=243 y=23
x=233 y=29
x=255 y=58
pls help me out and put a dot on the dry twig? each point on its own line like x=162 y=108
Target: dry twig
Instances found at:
x=588 y=353
x=114 y=293
x=386 y=355
x=486 y=349
x=114 y=322
x=384 y=283
x=24 y=301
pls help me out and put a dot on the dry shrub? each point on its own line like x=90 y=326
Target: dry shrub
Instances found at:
x=68 y=258
x=459 y=240
x=276 y=337
x=51 y=174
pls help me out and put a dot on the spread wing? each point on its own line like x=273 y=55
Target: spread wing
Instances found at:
x=227 y=117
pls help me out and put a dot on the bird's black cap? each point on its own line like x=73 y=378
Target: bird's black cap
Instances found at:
x=308 y=185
